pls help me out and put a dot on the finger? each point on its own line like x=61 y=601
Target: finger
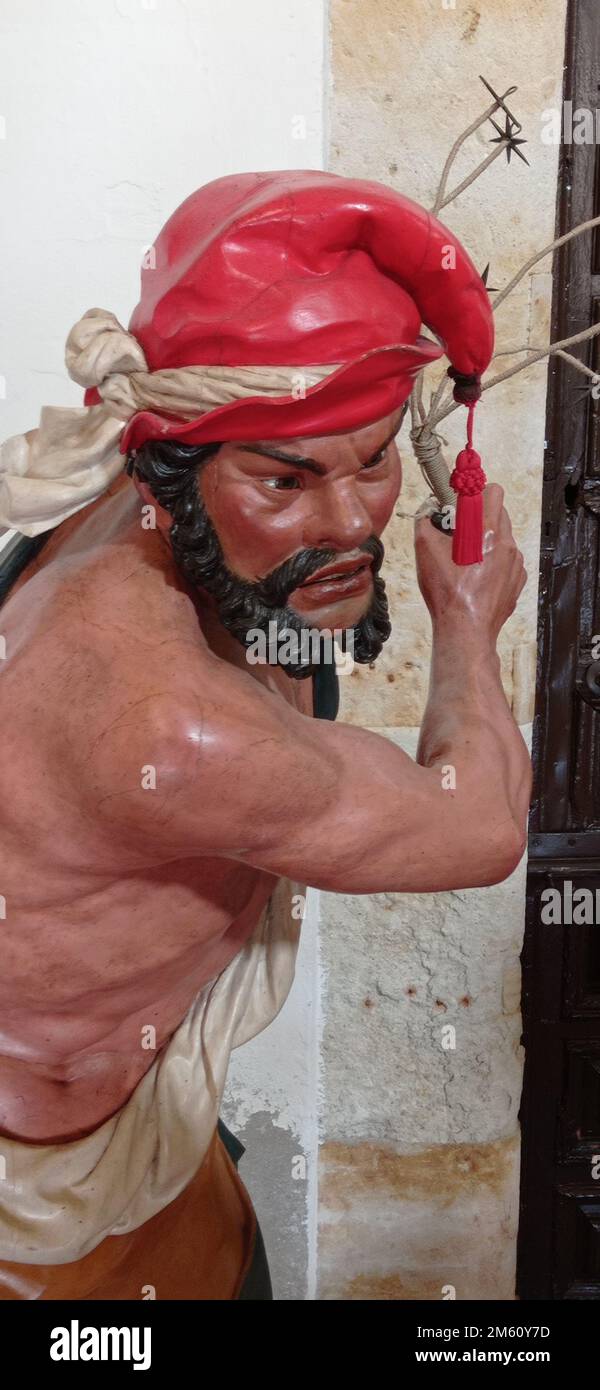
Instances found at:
x=505 y=525
x=426 y=533
x=493 y=500
x=500 y=532
x=422 y=528
x=500 y=535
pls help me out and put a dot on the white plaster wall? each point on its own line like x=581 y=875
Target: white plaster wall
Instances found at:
x=272 y=1103
x=110 y=115
x=420 y=1145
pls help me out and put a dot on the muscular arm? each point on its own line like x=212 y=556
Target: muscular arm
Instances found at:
x=344 y=809
x=468 y=724
x=467 y=714
x=242 y=775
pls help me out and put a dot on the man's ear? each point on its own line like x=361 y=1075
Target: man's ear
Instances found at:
x=163 y=518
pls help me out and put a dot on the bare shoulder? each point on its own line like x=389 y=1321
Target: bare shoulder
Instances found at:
x=99 y=641
x=148 y=719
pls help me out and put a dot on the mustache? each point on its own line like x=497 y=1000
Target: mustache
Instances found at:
x=243 y=604
x=275 y=589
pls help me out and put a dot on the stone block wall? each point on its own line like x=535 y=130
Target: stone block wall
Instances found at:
x=419 y=1141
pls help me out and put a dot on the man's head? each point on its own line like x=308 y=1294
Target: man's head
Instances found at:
x=282 y=531
x=276 y=305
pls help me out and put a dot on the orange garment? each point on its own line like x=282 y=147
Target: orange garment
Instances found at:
x=200 y=1246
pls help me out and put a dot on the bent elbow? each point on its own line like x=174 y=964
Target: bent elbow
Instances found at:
x=507 y=852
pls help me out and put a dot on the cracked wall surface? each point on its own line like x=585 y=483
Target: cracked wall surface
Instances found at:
x=404 y=83
x=419 y=1131
x=421 y=1074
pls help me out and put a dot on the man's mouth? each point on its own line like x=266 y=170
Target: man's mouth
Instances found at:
x=341 y=577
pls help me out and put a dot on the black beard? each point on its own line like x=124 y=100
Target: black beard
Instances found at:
x=243 y=605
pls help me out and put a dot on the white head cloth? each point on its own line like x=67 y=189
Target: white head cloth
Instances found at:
x=72 y=457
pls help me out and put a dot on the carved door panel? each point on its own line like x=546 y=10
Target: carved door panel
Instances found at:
x=559 y=1236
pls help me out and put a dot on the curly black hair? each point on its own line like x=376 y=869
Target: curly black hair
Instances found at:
x=170 y=471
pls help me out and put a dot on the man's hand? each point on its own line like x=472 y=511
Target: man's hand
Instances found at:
x=478 y=598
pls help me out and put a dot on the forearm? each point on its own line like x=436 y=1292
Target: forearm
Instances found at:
x=248 y=778
x=468 y=725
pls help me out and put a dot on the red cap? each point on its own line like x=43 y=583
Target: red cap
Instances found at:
x=295 y=268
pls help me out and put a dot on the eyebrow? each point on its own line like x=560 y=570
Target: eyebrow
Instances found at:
x=310 y=464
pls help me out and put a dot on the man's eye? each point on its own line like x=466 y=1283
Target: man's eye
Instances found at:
x=286 y=483
x=372 y=463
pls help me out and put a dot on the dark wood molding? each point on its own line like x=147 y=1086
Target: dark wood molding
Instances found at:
x=559 y=1232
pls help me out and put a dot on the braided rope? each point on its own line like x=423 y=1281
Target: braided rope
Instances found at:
x=428 y=453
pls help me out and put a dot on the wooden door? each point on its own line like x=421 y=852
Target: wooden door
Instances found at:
x=559 y=1235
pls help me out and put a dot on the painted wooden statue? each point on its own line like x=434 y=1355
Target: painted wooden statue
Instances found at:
x=166 y=799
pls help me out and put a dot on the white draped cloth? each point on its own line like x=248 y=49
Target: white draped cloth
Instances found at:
x=73 y=456
x=57 y=1202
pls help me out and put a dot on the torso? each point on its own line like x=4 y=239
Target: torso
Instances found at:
x=94 y=947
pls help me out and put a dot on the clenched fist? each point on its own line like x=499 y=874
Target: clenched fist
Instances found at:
x=478 y=597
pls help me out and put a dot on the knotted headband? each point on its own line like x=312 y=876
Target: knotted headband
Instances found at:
x=277 y=305
x=72 y=457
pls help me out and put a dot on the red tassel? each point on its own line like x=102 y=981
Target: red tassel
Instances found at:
x=468 y=480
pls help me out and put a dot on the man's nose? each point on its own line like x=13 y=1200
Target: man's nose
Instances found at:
x=339 y=521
